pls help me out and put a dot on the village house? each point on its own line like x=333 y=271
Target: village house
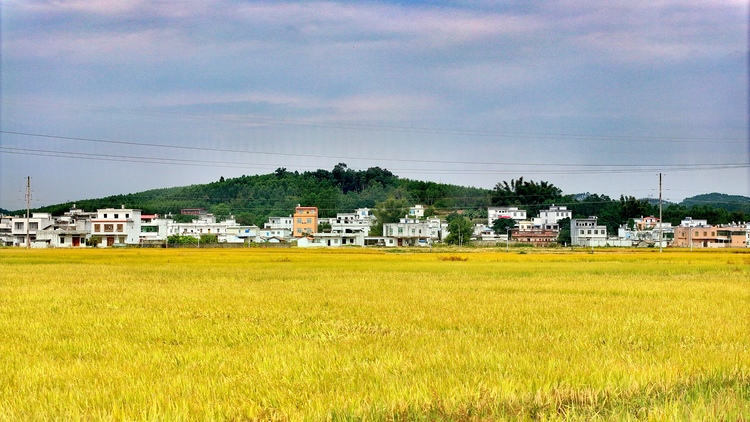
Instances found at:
x=493 y=213
x=71 y=230
x=21 y=227
x=707 y=236
x=116 y=227
x=587 y=232
x=305 y=221
x=553 y=215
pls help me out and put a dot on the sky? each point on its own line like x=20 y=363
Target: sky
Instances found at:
x=107 y=97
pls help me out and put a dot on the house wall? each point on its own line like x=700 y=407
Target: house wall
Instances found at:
x=305 y=221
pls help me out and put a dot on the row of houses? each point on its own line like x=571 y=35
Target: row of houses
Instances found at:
x=113 y=227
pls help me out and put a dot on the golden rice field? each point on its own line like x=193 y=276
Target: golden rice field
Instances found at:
x=356 y=334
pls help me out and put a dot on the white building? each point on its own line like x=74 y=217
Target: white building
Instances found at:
x=413 y=232
x=493 y=213
x=243 y=234
x=20 y=226
x=554 y=214
x=358 y=221
x=276 y=223
x=690 y=222
x=586 y=232
x=116 y=226
x=154 y=229
x=203 y=226
x=351 y=238
x=6 y=233
x=417 y=211
x=71 y=230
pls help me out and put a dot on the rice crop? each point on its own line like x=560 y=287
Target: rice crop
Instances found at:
x=360 y=334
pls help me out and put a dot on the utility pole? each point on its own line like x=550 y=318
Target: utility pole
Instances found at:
x=661 y=224
x=28 y=210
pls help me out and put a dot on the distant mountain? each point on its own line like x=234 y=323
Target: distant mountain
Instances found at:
x=720 y=200
x=4 y=211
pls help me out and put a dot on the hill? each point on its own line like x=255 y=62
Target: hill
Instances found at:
x=252 y=199
x=719 y=200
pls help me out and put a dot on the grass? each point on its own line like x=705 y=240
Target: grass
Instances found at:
x=363 y=334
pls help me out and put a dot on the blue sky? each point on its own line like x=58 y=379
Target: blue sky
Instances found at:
x=103 y=97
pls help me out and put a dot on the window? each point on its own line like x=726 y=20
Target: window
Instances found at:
x=19 y=226
x=309 y=220
x=33 y=225
x=127 y=215
x=105 y=215
x=589 y=232
x=299 y=220
x=109 y=228
x=119 y=228
x=117 y=215
x=62 y=240
x=97 y=227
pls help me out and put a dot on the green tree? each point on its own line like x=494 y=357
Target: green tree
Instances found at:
x=460 y=230
x=563 y=237
x=530 y=194
x=208 y=239
x=500 y=225
x=389 y=211
x=221 y=212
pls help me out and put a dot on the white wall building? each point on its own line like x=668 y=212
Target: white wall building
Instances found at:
x=116 y=226
x=690 y=222
x=586 y=232
x=554 y=214
x=417 y=211
x=276 y=223
x=493 y=213
x=20 y=225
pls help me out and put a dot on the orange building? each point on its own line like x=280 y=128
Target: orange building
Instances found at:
x=710 y=237
x=305 y=221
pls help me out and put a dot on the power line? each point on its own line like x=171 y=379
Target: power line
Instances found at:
x=391 y=128
x=550 y=168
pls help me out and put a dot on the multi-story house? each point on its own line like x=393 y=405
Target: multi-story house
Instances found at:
x=710 y=236
x=493 y=213
x=71 y=230
x=154 y=229
x=276 y=223
x=417 y=211
x=535 y=232
x=206 y=225
x=554 y=214
x=412 y=232
x=305 y=221
x=116 y=226
x=586 y=232
x=645 y=223
x=358 y=221
x=21 y=227
x=6 y=233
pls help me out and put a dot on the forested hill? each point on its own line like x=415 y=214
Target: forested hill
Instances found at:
x=252 y=199
x=720 y=200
